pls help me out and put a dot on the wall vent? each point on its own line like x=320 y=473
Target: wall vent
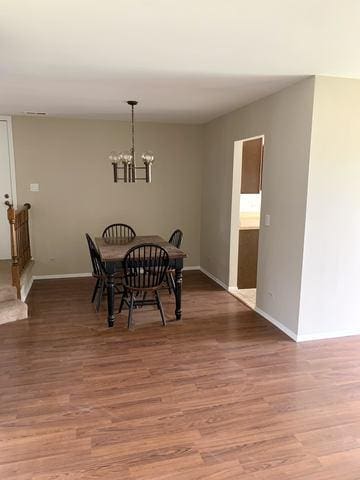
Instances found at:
x=36 y=113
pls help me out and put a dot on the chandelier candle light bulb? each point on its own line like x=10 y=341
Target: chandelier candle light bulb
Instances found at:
x=125 y=161
x=148 y=159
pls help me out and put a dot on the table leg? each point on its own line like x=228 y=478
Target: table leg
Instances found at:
x=110 y=285
x=178 y=286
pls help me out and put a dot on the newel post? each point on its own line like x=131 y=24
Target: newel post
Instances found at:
x=11 y=214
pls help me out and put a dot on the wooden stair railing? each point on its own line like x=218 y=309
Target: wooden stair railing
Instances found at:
x=20 y=241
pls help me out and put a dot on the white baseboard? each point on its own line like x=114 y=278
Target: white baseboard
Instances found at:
x=85 y=274
x=297 y=338
x=277 y=324
x=212 y=277
x=61 y=275
x=327 y=335
x=310 y=336
x=232 y=290
x=25 y=289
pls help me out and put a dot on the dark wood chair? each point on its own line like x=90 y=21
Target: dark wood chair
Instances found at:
x=99 y=273
x=119 y=230
x=145 y=267
x=175 y=239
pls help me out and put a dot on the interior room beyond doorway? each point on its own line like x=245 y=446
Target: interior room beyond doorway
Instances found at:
x=249 y=201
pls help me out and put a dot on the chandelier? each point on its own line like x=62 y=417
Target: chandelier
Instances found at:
x=124 y=162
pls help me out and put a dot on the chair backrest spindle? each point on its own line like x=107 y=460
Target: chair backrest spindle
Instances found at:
x=145 y=266
x=120 y=230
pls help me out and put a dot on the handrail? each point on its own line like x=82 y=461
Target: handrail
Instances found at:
x=20 y=241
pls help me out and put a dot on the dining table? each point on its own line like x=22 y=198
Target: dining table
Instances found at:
x=112 y=252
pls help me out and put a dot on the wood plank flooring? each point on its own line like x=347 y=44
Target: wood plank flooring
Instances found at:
x=220 y=395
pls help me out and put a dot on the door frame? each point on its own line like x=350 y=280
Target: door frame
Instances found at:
x=8 y=120
x=235 y=211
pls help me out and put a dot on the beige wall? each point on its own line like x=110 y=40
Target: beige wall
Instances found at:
x=330 y=301
x=285 y=119
x=310 y=189
x=68 y=158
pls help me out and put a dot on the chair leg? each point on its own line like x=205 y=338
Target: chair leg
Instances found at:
x=172 y=282
x=160 y=307
x=143 y=299
x=120 y=286
x=122 y=302
x=168 y=275
x=131 y=306
x=100 y=294
x=95 y=290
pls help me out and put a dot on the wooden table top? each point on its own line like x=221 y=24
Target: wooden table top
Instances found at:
x=114 y=249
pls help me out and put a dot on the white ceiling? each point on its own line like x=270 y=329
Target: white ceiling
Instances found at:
x=184 y=60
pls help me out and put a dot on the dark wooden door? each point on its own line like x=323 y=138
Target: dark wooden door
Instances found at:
x=248 y=258
x=251 y=166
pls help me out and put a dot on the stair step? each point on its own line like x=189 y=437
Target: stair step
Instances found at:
x=11 y=310
x=7 y=292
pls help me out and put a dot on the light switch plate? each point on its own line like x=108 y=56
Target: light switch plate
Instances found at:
x=267 y=220
x=34 y=187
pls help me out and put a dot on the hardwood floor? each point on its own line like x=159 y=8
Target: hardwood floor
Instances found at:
x=220 y=395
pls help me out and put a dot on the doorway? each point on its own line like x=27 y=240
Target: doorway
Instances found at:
x=246 y=210
x=7 y=186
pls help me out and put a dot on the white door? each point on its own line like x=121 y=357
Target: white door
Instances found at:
x=5 y=189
